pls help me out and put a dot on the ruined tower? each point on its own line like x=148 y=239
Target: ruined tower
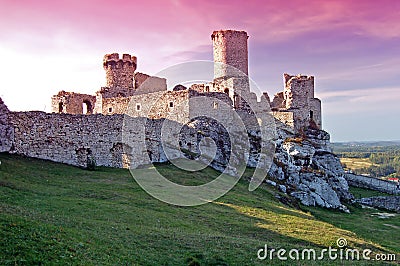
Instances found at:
x=230 y=47
x=298 y=90
x=231 y=64
x=119 y=71
x=299 y=98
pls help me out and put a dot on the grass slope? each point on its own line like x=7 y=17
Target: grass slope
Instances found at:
x=56 y=214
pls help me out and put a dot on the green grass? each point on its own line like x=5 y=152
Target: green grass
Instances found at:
x=365 y=193
x=55 y=214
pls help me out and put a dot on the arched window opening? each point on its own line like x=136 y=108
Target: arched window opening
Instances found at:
x=311 y=115
x=226 y=91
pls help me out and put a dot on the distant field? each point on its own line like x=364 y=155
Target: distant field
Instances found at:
x=356 y=163
x=54 y=214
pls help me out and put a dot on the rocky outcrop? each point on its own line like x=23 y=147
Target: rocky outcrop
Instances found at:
x=309 y=171
x=303 y=167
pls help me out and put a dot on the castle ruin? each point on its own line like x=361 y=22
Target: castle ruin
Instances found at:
x=83 y=125
x=82 y=128
x=295 y=107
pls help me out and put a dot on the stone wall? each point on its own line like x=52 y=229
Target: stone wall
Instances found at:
x=230 y=47
x=115 y=105
x=119 y=71
x=3 y=107
x=315 y=112
x=235 y=87
x=66 y=138
x=173 y=105
x=107 y=92
x=391 y=203
x=72 y=103
x=278 y=102
x=140 y=78
x=114 y=141
x=6 y=131
x=372 y=183
x=149 y=84
x=204 y=87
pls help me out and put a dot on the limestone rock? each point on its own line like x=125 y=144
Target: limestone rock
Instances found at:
x=307 y=170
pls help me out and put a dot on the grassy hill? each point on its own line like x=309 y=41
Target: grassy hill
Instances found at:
x=56 y=214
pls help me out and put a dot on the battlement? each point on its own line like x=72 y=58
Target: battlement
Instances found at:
x=228 y=33
x=299 y=78
x=112 y=59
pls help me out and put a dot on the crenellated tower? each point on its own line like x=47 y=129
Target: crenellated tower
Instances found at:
x=119 y=71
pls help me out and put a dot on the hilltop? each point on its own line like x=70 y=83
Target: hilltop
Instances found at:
x=57 y=214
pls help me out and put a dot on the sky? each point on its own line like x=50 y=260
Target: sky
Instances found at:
x=351 y=47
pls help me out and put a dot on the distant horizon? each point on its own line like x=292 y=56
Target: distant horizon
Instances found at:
x=367 y=141
x=351 y=47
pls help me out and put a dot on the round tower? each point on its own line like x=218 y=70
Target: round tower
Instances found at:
x=230 y=47
x=119 y=71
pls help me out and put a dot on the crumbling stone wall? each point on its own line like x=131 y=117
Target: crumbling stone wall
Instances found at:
x=315 y=112
x=76 y=139
x=107 y=92
x=149 y=84
x=3 y=107
x=204 y=87
x=66 y=138
x=372 y=183
x=72 y=103
x=6 y=131
x=278 y=102
x=391 y=203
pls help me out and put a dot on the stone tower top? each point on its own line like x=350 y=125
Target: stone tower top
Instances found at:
x=230 y=47
x=119 y=71
x=298 y=90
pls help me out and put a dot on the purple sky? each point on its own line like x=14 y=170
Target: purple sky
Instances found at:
x=351 y=47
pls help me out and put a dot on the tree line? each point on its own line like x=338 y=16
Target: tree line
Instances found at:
x=385 y=158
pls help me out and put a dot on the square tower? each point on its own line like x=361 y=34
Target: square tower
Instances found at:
x=230 y=48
